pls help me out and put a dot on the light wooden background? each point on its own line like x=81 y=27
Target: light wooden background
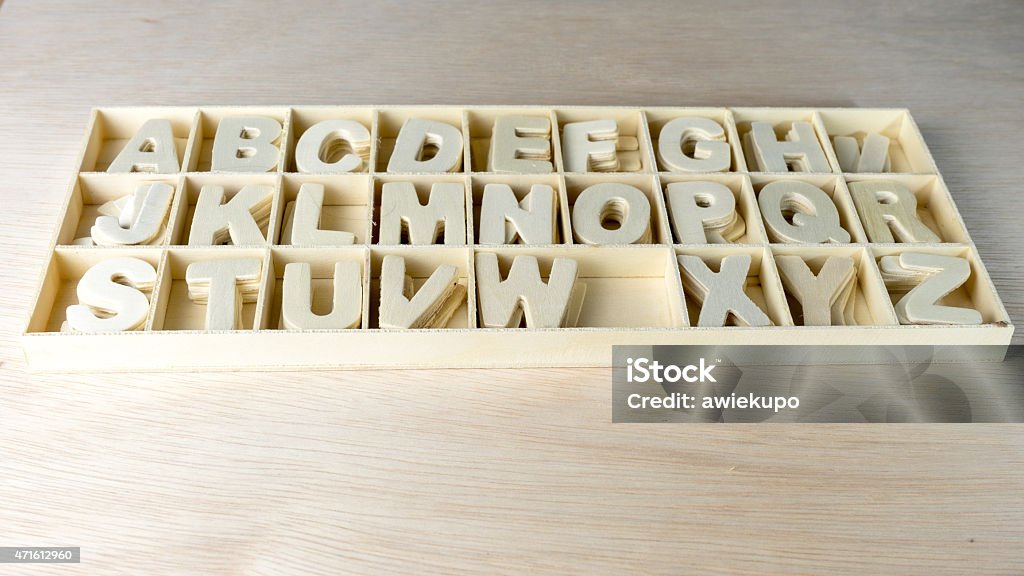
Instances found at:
x=508 y=471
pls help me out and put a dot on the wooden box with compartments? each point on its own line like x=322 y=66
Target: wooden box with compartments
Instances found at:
x=278 y=237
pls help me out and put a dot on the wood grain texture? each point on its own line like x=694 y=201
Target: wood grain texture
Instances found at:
x=501 y=471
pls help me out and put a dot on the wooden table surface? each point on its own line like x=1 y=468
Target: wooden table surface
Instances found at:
x=493 y=471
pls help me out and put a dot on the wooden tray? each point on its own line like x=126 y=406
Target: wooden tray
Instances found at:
x=634 y=293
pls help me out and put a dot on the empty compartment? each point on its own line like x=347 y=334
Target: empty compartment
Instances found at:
x=420 y=263
x=332 y=149
x=63 y=272
x=346 y=204
x=521 y=185
x=322 y=263
x=113 y=128
x=480 y=126
x=184 y=210
x=391 y=119
x=657 y=118
x=907 y=150
x=91 y=191
x=613 y=216
x=781 y=120
x=868 y=304
x=977 y=292
x=935 y=207
x=743 y=196
x=762 y=285
x=423 y=186
x=176 y=310
x=625 y=286
x=833 y=186
x=633 y=145
x=209 y=120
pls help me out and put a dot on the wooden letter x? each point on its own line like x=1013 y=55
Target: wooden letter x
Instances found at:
x=722 y=293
